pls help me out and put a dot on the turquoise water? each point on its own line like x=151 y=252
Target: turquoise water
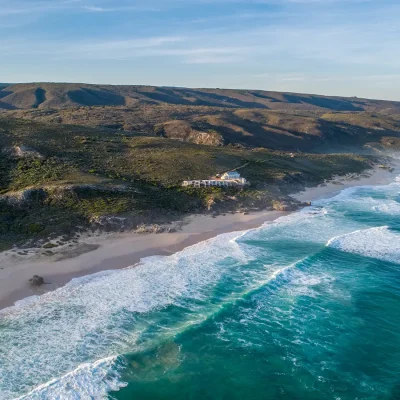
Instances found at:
x=304 y=308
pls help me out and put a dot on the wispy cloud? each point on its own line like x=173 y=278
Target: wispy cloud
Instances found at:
x=99 y=9
x=185 y=49
x=44 y=7
x=121 y=8
x=293 y=78
x=19 y=7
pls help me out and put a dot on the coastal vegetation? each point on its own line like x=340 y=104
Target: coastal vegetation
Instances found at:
x=307 y=131
x=65 y=170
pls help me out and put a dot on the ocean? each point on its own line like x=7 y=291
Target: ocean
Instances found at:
x=304 y=308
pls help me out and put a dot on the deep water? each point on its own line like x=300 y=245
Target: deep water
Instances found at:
x=307 y=307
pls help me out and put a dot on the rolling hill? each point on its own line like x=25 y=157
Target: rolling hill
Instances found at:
x=60 y=95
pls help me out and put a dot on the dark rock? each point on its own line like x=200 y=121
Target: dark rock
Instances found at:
x=36 y=280
x=157 y=229
x=286 y=206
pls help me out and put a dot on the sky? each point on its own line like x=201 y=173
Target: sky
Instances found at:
x=331 y=47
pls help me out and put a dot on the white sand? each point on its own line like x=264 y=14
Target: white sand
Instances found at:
x=123 y=250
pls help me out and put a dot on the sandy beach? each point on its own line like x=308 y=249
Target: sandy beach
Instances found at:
x=115 y=251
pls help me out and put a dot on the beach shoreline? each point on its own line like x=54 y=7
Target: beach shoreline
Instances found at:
x=118 y=251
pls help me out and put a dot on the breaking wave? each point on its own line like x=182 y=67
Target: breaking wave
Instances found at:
x=381 y=243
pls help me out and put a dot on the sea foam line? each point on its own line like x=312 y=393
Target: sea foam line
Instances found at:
x=87 y=382
x=347 y=193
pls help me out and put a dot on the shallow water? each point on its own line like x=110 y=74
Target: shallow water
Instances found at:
x=307 y=307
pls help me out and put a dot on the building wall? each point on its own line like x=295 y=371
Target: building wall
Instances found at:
x=214 y=183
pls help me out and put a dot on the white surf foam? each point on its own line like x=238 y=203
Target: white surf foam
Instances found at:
x=314 y=224
x=390 y=207
x=97 y=316
x=305 y=214
x=350 y=194
x=380 y=243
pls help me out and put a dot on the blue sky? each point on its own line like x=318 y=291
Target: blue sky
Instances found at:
x=336 y=47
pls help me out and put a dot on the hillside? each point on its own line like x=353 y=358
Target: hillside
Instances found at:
x=62 y=179
x=59 y=95
x=216 y=126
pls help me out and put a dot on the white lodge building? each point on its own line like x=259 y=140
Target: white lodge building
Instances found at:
x=228 y=179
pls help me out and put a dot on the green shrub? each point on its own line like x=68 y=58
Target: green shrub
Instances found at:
x=34 y=228
x=49 y=245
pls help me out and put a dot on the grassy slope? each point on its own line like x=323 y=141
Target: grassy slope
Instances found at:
x=140 y=158
x=84 y=172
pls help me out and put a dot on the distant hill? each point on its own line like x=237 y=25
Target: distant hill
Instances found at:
x=61 y=95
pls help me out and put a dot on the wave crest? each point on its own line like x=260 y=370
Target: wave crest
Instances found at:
x=381 y=243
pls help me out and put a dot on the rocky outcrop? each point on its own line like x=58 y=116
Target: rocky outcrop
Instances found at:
x=287 y=205
x=183 y=130
x=24 y=151
x=24 y=196
x=155 y=228
x=110 y=223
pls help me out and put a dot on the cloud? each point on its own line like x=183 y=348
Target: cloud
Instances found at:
x=175 y=48
x=293 y=78
x=19 y=7
x=121 y=8
x=124 y=49
x=44 y=7
x=212 y=59
x=98 y=9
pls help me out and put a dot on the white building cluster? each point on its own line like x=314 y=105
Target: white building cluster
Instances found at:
x=228 y=179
